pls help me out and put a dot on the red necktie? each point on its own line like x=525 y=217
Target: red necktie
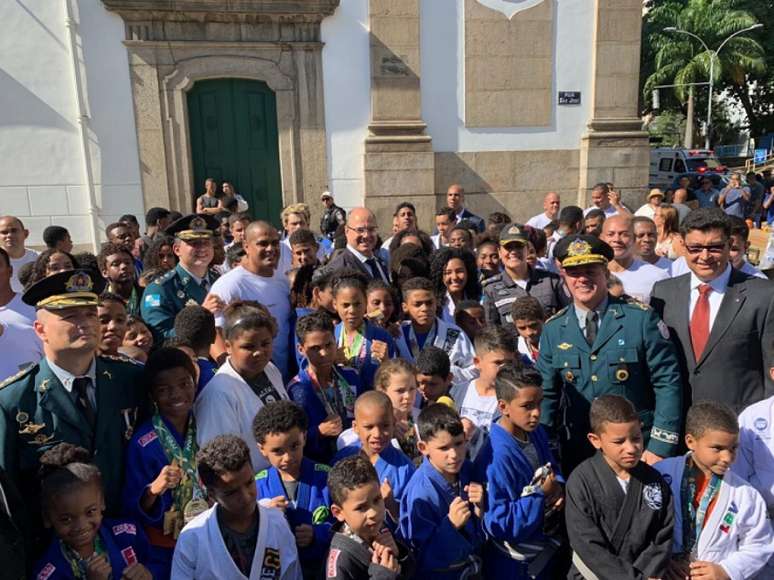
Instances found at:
x=700 y=319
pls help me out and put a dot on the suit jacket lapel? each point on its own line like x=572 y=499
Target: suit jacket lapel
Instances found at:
x=611 y=323
x=573 y=332
x=55 y=399
x=682 y=326
x=733 y=299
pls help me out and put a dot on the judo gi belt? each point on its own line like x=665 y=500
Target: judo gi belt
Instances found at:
x=584 y=570
x=470 y=569
x=535 y=555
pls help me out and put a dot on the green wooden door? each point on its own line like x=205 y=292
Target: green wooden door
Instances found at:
x=233 y=128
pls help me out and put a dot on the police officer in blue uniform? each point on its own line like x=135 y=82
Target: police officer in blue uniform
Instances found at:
x=601 y=345
x=189 y=282
x=72 y=395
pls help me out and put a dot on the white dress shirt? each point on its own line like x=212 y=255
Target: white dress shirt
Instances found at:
x=719 y=286
x=67 y=379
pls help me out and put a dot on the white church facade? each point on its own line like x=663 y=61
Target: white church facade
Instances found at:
x=115 y=106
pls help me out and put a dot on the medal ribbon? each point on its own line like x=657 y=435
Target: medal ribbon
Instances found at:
x=339 y=398
x=695 y=520
x=189 y=486
x=354 y=347
x=73 y=558
x=413 y=342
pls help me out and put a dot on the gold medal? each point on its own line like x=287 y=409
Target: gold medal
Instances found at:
x=569 y=377
x=193 y=508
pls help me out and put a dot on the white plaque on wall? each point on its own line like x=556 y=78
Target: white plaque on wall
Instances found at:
x=509 y=7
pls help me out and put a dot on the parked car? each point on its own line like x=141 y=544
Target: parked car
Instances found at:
x=667 y=164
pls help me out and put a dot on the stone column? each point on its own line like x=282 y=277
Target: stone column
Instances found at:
x=615 y=148
x=399 y=162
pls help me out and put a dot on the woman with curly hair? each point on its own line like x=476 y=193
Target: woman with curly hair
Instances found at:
x=158 y=259
x=51 y=262
x=454 y=275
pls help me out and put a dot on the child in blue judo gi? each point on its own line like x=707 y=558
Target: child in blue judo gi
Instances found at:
x=523 y=487
x=364 y=346
x=162 y=490
x=434 y=378
x=85 y=544
x=374 y=424
x=296 y=485
x=441 y=508
x=325 y=390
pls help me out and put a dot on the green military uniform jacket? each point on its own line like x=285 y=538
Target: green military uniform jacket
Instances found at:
x=169 y=294
x=632 y=356
x=37 y=412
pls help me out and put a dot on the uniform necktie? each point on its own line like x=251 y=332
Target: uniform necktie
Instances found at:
x=591 y=327
x=81 y=388
x=700 y=321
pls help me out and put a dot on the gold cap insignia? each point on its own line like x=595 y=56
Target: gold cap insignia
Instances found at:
x=579 y=248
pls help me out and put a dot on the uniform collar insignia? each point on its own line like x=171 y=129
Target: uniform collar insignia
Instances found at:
x=565 y=346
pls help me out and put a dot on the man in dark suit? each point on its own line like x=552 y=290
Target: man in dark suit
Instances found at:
x=721 y=320
x=360 y=253
x=455 y=199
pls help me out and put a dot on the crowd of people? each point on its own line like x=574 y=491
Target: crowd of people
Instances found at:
x=586 y=395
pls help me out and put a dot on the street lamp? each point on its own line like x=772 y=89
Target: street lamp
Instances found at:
x=713 y=54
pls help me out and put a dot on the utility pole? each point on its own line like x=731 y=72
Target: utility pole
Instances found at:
x=688 y=141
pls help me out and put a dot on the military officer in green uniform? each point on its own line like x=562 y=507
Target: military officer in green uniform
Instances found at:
x=72 y=395
x=187 y=283
x=601 y=345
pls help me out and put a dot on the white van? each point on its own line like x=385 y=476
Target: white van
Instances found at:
x=667 y=163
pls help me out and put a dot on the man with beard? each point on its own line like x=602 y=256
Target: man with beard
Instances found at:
x=254 y=279
x=604 y=345
x=187 y=283
x=72 y=395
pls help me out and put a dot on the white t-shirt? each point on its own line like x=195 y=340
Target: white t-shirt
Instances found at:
x=639 y=278
x=479 y=410
x=646 y=210
x=29 y=256
x=539 y=221
x=18 y=312
x=273 y=293
x=20 y=347
x=609 y=210
x=665 y=264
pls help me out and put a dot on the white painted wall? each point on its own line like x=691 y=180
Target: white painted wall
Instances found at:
x=41 y=175
x=443 y=86
x=347 y=84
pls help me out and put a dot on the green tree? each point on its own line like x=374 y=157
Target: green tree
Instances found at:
x=672 y=58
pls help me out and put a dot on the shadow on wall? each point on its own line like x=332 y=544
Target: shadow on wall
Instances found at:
x=21 y=107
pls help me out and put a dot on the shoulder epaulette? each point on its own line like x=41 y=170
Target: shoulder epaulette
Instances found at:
x=322 y=467
x=491 y=280
x=558 y=314
x=165 y=277
x=636 y=303
x=263 y=474
x=122 y=358
x=13 y=378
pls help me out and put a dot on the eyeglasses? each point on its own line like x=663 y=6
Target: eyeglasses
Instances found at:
x=361 y=231
x=715 y=249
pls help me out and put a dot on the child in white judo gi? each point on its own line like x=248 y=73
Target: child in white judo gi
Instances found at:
x=721 y=527
x=236 y=538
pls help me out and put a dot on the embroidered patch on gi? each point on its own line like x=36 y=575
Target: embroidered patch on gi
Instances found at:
x=664 y=435
x=148 y=438
x=46 y=572
x=152 y=300
x=271 y=564
x=129 y=556
x=125 y=529
x=333 y=558
x=651 y=493
x=761 y=424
